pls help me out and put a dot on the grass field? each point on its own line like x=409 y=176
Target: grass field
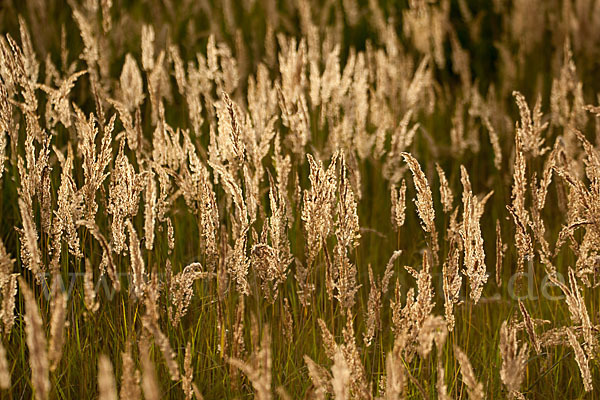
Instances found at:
x=342 y=199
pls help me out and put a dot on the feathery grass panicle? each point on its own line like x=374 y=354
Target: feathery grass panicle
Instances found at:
x=5 y=381
x=8 y=288
x=452 y=282
x=474 y=387
x=131 y=84
x=9 y=294
x=398 y=205
x=530 y=128
x=433 y=330
x=344 y=276
x=446 y=195
x=424 y=202
x=107 y=386
x=514 y=359
x=500 y=249
x=150 y=321
x=94 y=161
x=138 y=270
x=317 y=215
x=130 y=376
x=187 y=377
x=107 y=263
x=318 y=204
x=348 y=228
x=530 y=328
x=582 y=361
x=30 y=252
x=150 y=386
x=58 y=306
x=495 y=141
x=373 y=320
x=258 y=368
x=36 y=343
x=181 y=290
x=577 y=309
x=395 y=381
x=124 y=190
x=89 y=288
x=238 y=264
x=472 y=239
x=5 y=125
x=150 y=211
x=147 y=39
x=340 y=377
x=320 y=378
x=517 y=208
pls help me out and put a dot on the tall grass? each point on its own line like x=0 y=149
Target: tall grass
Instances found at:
x=344 y=199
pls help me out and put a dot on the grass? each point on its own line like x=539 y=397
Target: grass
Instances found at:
x=211 y=318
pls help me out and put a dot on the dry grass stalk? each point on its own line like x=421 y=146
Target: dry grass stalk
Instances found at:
x=578 y=310
x=433 y=330
x=340 y=377
x=36 y=343
x=124 y=190
x=514 y=359
x=530 y=129
x=471 y=237
x=150 y=321
x=344 y=277
x=582 y=361
x=320 y=378
x=424 y=202
x=530 y=328
x=474 y=387
x=150 y=211
x=58 y=322
x=495 y=140
x=5 y=381
x=288 y=321
x=107 y=264
x=70 y=210
x=398 y=205
x=258 y=368
x=130 y=376
x=131 y=84
x=5 y=124
x=94 y=162
x=187 y=379
x=181 y=290
x=517 y=209
x=107 y=387
x=138 y=271
x=373 y=320
x=9 y=294
x=89 y=288
x=30 y=250
x=8 y=287
x=317 y=215
x=150 y=386
x=395 y=381
x=452 y=282
x=147 y=40
x=238 y=264
x=500 y=249
x=445 y=192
